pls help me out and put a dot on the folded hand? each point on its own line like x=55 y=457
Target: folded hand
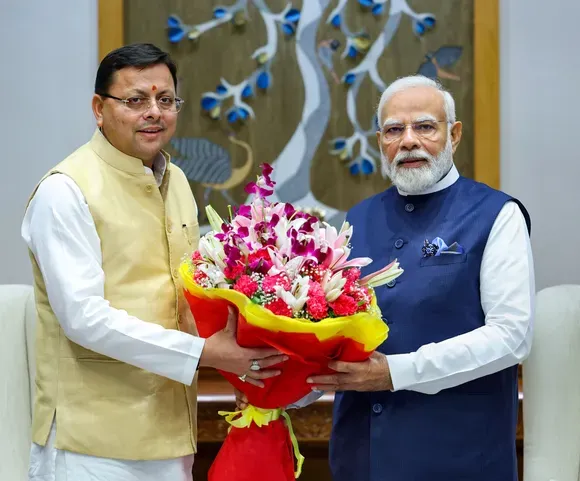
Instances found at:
x=370 y=375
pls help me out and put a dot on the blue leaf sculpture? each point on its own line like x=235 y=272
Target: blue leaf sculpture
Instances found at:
x=208 y=103
x=349 y=78
x=219 y=12
x=367 y=167
x=247 y=91
x=232 y=116
x=293 y=15
x=263 y=80
x=175 y=34
x=288 y=28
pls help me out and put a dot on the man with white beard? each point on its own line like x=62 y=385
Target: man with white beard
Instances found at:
x=439 y=400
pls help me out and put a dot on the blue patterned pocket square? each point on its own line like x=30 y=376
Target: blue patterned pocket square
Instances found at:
x=438 y=247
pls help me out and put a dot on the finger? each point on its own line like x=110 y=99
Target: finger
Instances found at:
x=263 y=353
x=232 y=323
x=327 y=379
x=341 y=366
x=255 y=382
x=241 y=406
x=272 y=361
x=266 y=374
x=328 y=388
x=240 y=396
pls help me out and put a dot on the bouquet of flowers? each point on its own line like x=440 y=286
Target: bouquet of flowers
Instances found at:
x=295 y=289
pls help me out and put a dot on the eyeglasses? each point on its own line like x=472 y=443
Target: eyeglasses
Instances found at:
x=426 y=129
x=165 y=103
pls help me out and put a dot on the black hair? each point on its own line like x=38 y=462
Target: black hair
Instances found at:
x=140 y=55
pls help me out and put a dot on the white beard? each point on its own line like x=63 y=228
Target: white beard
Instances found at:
x=414 y=181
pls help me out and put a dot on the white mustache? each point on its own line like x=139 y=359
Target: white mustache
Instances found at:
x=413 y=154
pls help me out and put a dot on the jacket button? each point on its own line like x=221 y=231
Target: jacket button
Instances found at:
x=399 y=243
x=149 y=188
x=392 y=283
x=377 y=408
x=169 y=226
x=409 y=207
x=175 y=273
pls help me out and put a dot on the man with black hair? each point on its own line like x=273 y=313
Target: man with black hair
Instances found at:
x=117 y=349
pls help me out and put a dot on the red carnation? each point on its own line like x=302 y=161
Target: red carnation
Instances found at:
x=200 y=277
x=234 y=272
x=317 y=308
x=279 y=307
x=246 y=285
x=361 y=296
x=196 y=256
x=344 y=305
x=315 y=289
x=270 y=282
x=351 y=276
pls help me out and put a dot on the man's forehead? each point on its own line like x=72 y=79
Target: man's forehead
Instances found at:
x=414 y=102
x=132 y=77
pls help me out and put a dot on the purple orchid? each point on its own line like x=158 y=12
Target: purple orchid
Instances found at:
x=264 y=186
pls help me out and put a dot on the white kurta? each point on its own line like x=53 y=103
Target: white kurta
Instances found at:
x=63 y=238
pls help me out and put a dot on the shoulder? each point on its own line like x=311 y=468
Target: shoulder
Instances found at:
x=506 y=204
x=57 y=191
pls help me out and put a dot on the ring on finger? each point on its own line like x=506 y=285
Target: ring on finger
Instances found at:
x=255 y=366
x=243 y=378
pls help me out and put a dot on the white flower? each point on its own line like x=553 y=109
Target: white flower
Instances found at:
x=332 y=285
x=212 y=249
x=297 y=296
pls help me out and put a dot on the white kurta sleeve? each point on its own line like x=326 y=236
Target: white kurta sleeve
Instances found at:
x=60 y=232
x=507 y=290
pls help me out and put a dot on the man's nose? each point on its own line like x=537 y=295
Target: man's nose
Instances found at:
x=409 y=139
x=153 y=112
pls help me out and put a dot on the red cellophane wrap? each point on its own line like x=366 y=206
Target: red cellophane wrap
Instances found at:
x=267 y=453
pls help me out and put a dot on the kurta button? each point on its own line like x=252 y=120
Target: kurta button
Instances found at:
x=399 y=243
x=377 y=408
x=169 y=226
x=409 y=207
x=175 y=273
x=391 y=283
x=149 y=188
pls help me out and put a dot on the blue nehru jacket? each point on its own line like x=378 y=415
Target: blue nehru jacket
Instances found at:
x=463 y=433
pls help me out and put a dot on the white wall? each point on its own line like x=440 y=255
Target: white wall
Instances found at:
x=49 y=60
x=540 y=128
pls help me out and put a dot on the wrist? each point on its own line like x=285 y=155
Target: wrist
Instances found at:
x=205 y=359
x=387 y=374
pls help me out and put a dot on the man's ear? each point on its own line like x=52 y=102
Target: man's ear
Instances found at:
x=98 y=105
x=456 y=131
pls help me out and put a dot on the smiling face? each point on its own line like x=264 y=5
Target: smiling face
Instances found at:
x=416 y=141
x=135 y=130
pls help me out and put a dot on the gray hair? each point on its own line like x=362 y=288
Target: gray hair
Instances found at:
x=412 y=81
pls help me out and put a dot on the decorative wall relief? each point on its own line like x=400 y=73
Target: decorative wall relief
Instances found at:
x=296 y=84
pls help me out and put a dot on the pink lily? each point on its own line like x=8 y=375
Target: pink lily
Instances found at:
x=382 y=276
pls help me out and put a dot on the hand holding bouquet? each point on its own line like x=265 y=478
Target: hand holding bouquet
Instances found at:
x=295 y=289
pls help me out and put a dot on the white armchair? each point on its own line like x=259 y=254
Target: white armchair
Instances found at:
x=17 y=324
x=551 y=385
